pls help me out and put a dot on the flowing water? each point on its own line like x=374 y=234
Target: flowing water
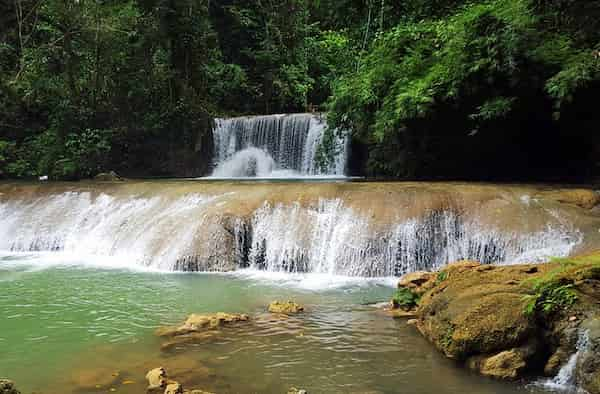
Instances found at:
x=349 y=229
x=275 y=146
x=86 y=275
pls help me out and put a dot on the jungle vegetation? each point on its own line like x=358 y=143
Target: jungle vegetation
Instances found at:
x=462 y=89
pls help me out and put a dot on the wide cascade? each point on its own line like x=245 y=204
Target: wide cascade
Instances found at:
x=287 y=227
x=275 y=146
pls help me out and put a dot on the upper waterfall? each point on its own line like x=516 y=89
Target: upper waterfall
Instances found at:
x=274 y=146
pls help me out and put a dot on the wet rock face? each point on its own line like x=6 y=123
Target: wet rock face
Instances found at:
x=8 y=387
x=286 y=307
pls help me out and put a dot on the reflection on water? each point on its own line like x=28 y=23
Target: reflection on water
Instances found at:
x=89 y=330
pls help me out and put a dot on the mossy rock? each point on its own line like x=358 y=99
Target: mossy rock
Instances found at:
x=480 y=311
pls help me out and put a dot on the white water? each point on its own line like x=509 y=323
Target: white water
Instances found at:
x=331 y=239
x=328 y=238
x=565 y=380
x=273 y=146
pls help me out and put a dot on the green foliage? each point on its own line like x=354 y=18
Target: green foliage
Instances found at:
x=90 y=86
x=403 y=297
x=446 y=340
x=468 y=67
x=550 y=297
x=553 y=291
x=441 y=276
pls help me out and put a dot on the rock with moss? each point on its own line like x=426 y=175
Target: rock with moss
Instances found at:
x=285 y=307
x=475 y=312
x=8 y=387
x=201 y=322
x=508 y=321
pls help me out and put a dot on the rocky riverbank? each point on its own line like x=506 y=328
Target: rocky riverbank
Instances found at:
x=511 y=322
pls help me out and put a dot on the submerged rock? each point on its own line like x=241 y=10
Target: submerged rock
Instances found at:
x=193 y=337
x=286 y=307
x=8 y=387
x=201 y=322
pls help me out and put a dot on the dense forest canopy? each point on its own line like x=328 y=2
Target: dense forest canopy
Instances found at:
x=482 y=89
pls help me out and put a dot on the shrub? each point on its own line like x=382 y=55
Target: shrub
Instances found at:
x=405 y=298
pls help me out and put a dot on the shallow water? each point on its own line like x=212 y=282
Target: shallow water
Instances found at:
x=77 y=329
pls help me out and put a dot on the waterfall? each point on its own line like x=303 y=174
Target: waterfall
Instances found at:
x=274 y=145
x=331 y=239
x=223 y=232
x=565 y=380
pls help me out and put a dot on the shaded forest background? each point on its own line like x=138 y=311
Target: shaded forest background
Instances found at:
x=487 y=90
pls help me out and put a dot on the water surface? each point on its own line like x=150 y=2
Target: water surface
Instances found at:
x=77 y=326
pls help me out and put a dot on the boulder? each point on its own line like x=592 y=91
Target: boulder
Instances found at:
x=482 y=314
x=287 y=307
x=506 y=365
x=201 y=322
x=8 y=387
x=480 y=320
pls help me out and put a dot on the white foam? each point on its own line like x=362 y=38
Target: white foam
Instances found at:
x=311 y=281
